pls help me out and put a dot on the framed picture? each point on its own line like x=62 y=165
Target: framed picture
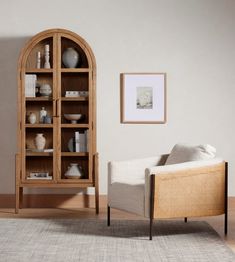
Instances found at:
x=143 y=98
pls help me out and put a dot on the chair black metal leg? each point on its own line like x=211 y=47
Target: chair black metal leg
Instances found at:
x=152 y=189
x=225 y=223
x=226 y=200
x=185 y=219
x=108 y=214
x=150 y=229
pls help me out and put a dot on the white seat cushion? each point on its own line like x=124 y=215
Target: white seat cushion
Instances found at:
x=127 y=196
x=184 y=153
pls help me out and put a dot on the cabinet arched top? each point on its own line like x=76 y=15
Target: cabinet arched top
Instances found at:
x=58 y=40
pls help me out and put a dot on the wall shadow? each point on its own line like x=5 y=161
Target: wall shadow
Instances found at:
x=10 y=48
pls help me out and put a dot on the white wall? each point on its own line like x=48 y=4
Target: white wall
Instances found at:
x=193 y=41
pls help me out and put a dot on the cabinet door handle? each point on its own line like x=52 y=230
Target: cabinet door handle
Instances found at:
x=57 y=108
x=54 y=108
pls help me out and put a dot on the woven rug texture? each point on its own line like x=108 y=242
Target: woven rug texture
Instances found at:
x=65 y=240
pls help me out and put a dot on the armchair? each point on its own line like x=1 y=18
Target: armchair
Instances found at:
x=149 y=188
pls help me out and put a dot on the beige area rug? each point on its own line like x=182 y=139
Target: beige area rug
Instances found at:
x=65 y=240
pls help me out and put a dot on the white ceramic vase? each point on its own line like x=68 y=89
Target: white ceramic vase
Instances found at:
x=45 y=90
x=32 y=118
x=74 y=171
x=70 y=58
x=40 y=142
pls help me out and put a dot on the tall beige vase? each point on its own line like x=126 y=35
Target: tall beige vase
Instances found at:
x=40 y=142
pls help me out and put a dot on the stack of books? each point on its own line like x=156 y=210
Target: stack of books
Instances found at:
x=71 y=94
x=30 y=85
x=47 y=150
x=76 y=94
x=81 y=142
x=39 y=175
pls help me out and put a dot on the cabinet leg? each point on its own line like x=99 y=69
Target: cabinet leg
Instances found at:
x=96 y=184
x=17 y=200
x=21 y=190
x=17 y=187
x=97 y=200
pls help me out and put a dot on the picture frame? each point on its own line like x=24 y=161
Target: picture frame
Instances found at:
x=143 y=98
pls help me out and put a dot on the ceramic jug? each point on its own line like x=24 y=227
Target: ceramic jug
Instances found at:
x=74 y=171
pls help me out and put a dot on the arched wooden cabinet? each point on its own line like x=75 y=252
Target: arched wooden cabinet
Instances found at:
x=47 y=168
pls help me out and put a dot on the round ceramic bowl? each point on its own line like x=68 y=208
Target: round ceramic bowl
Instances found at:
x=73 y=117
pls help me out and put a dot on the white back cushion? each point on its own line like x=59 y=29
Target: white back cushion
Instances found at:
x=184 y=153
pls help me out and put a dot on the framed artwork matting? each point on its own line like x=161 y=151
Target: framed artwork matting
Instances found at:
x=143 y=98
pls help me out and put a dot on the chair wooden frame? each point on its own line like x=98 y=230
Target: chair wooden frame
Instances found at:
x=153 y=211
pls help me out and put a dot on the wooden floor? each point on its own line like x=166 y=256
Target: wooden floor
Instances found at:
x=216 y=222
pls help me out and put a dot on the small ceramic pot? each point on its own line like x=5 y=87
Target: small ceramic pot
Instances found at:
x=45 y=90
x=70 y=58
x=74 y=171
x=47 y=120
x=40 y=142
x=32 y=118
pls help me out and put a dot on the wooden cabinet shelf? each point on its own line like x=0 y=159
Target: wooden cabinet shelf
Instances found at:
x=35 y=99
x=74 y=125
x=69 y=99
x=75 y=70
x=38 y=71
x=74 y=180
x=60 y=134
x=39 y=153
x=39 y=125
x=63 y=183
x=74 y=154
